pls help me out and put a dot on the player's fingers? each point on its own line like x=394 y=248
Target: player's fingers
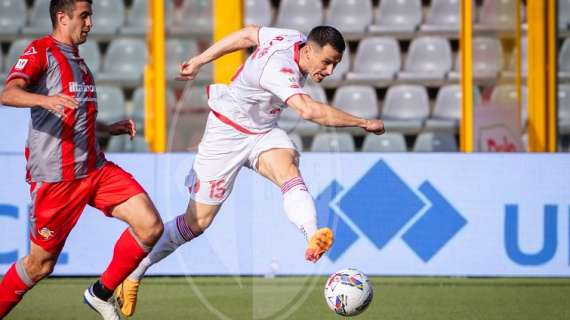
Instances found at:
x=133 y=128
x=69 y=101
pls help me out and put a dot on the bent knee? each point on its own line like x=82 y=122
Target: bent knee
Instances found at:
x=38 y=269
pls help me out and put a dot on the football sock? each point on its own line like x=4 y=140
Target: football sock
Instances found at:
x=14 y=285
x=299 y=206
x=176 y=233
x=128 y=253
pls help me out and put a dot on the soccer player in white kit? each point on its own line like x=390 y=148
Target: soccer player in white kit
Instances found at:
x=242 y=131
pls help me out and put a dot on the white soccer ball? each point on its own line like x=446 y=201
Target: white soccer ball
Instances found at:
x=348 y=292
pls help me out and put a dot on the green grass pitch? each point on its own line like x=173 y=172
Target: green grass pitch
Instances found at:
x=302 y=298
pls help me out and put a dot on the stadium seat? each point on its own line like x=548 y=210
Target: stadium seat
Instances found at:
x=428 y=60
x=487 y=58
x=137 y=112
x=117 y=144
x=90 y=53
x=405 y=108
x=16 y=50
x=350 y=17
x=401 y=16
x=335 y=79
x=495 y=14
x=315 y=91
x=563 y=14
x=388 y=142
x=137 y=21
x=297 y=141
x=40 y=21
x=443 y=16
x=358 y=100
x=13 y=15
x=333 y=142
x=447 y=109
x=511 y=68
x=302 y=15
x=506 y=94
x=111 y=104
x=564 y=109
x=178 y=51
x=108 y=18
x=137 y=144
x=377 y=61
x=195 y=19
x=564 y=60
x=124 y=62
x=435 y=142
x=258 y=12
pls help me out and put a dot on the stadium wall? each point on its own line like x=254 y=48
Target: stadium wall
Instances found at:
x=394 y=214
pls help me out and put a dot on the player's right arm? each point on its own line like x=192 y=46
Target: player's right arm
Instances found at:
x=245 y=38
x=15 y=95
x=330 y=116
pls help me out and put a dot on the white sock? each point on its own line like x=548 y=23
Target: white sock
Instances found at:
x=299 y=206
x=176 y=233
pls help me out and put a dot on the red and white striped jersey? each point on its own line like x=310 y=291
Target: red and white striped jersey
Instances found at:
x=261 y=87
x=59 y=148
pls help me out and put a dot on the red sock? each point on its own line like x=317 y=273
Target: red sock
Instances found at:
x=126 y=257
x=12 y=289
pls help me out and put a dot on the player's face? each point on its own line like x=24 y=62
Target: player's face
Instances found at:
x=322 y=62
x=80 y=23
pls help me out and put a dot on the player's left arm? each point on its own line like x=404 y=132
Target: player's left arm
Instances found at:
x=327 y=115
x=241 y=39
x=118 y=128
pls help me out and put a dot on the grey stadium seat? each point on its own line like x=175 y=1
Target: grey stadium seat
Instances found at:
x=563 y=14
x=16 y=50
x=178 y=51
x=108 y=17
x=335 y=79
x=429 y=59
x=91 y=54
x=358 y=100
x=40 y=21
x=258 y=12
x=564 y=108
x=377 y=61
x=13 y=15
x=387 y=142
x=195 y=19
x=435 y=142
x=447 y=109
x=405 y=108
x=124 y=62
x=111 y=104
x=137 y=112
x=350 y=17
x=397 y=16
x=506 y=94
x=443 y=15
x=487 y=57
x=333 y=142
x=512 y=62
x=564 y=60
x=302 y=15
x=137 y=21
x=498 y=14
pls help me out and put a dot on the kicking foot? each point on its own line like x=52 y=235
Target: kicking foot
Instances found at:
x=319 y=243
x=126 y=294
x=105 y=308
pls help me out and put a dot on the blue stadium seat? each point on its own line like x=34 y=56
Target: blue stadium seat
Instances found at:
x=40 y=21
x=91 y=54
x=401 y=16
x=352 y=17
x=258 y=12
x=388 y=142
x=435 y=142
x=124 y=62
x=108 y=18
x=302 y=15
x=377 y=61
x=428 y=60
x=13 y=15
x=333 y=142
x=405 y=108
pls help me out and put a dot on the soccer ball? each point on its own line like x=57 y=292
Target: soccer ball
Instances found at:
x=348 y=292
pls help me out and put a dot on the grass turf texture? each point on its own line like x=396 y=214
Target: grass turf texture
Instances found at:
x=302 y=298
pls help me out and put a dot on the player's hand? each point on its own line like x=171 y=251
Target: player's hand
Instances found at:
x=123 y=127
x=59 y=102
x=374 y=126
x=189 y=70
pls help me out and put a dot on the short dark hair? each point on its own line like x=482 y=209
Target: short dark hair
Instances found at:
x=66 y=6
x=323 y=35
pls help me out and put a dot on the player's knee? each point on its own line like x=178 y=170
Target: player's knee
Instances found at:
x=152 y=231
x=37 y=269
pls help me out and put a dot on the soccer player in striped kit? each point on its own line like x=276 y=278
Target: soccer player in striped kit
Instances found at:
x=66 y=167
x=242 y=131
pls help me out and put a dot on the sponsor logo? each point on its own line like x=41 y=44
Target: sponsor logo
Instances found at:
x=21 y=64
x=81 y=87
x=30 y=51
x=46 y=233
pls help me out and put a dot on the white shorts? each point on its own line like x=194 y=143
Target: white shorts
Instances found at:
x=222 y=152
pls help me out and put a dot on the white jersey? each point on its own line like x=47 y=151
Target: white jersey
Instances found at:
x=261 y=87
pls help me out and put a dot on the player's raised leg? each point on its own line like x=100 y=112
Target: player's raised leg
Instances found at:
x=281 y=167
x=177 y=232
